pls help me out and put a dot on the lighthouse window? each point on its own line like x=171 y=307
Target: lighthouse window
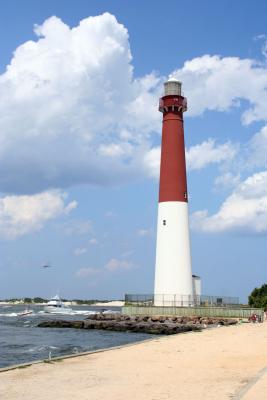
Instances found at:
x=164 y=222
x=185 y=195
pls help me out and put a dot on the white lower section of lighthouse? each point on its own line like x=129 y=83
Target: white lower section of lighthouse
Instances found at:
x=173 y=276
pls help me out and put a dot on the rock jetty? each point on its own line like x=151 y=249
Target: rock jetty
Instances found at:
x=146 y=324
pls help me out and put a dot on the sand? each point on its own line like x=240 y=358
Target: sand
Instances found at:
x=220 y=363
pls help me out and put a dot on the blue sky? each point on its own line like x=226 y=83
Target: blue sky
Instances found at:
x=80 y=137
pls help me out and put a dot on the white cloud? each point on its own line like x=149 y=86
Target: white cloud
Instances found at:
x=127 y=254
x=244 y=210
x=257 y=149
x=152 y=162
x=85 y=272
x=227 y=181
x=115 y=264
x=217 y=83
x=20 y=215
x=90 y=117
x=80 y=250
x=82 y=228
x=69 y=97
x=93 y=241
x=144 y=232
x=77 y=227
x=115 y=150
x=201 y=155
x=111 y=214
x=197 y=157
x=263 y=38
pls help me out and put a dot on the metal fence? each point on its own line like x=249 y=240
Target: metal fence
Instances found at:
x=197 y=311
x=177 y=300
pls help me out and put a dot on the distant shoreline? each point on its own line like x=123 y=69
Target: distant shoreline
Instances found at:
x=111 y=303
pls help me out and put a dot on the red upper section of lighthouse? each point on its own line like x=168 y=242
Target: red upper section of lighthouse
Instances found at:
x=173 y=185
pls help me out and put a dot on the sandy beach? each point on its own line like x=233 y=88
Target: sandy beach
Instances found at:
x=221 y=363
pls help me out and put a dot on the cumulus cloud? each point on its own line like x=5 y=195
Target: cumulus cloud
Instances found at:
x=80 y=251
x=20 y=215
x=197 y=157
x=263 y=38
x=93 y=241
x=127 y=254
x=257 y=149
x=151 y=162
x=245 y=210
x=85 y=272
x=83 y=229
x=111 y=214
x=115 y=150
x=217 y=83
x=201 y=155
x=77 y=227
x=115 y=264
x=264 y=49
x=144 y=232
x=227 y=180
x=70 y=110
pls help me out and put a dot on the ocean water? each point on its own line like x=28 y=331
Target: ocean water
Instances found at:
x=21 y=341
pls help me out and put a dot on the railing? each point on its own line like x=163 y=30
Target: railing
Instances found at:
x=176 y=300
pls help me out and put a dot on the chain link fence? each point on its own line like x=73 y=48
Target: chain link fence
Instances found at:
x=177 y=300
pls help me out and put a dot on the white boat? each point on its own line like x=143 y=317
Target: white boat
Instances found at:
x=55 y=305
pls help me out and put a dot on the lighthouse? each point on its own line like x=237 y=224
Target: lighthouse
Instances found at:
x=173 y=273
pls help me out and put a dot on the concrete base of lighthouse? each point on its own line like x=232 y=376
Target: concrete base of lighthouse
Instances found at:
x=173 y=276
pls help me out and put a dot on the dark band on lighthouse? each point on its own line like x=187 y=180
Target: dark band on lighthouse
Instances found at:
x=173 y=184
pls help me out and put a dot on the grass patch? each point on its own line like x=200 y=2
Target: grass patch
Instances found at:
x=52 y=360
x=24 y=366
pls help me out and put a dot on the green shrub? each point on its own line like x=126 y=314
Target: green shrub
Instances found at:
x=258 y=297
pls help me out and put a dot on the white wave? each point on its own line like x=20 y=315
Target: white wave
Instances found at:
x=9 y=315
x=26 y=315
x=83 y=312
x=42 y=348
x=76 y=312
x=17 y=315
x=68 y=312
x=111 y=312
